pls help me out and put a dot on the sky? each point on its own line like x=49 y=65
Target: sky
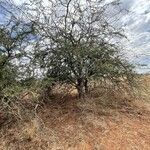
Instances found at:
x=137 y=28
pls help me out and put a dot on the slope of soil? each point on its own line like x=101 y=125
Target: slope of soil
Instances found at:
x=103 y=122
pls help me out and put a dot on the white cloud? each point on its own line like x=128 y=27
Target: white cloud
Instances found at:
x=137 y=29
x=19 y=2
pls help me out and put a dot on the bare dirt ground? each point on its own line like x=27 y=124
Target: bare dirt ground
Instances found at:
x=100 y=122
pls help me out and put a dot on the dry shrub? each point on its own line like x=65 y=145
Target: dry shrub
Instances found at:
x=78 y=123
x=63 y=90
x=30 y=130
x=18 y=105
x=143 y=90
x=105 y=88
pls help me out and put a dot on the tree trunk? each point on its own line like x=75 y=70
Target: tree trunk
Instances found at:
x=80 y=87
x=80 y=91
x=86 y=86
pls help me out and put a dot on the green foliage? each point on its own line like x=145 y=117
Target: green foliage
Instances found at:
x=28 y=82
x=46 y=82
x=7 y=76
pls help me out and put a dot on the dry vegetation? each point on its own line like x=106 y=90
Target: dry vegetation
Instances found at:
x=105 y=120
x=44 y=49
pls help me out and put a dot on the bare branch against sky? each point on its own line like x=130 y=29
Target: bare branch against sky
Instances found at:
x=137 y=28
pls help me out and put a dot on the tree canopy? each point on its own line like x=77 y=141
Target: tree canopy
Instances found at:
x=80 y=41
x=74 y=41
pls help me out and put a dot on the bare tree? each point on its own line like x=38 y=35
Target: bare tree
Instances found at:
x=79 y=41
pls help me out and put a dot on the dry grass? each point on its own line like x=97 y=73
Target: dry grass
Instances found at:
x=105 y=120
